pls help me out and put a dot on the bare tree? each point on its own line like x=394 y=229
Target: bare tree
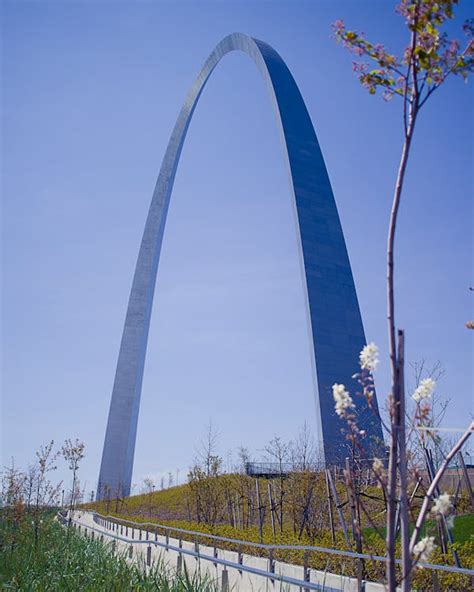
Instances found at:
x=244 y=457
x=278 y=451
x=148 y=488
x=148 y=485
x=207 y=450
x=203 y=478
x=303 y=452
x=45 y=492
x=30 y=480
x=73 y=453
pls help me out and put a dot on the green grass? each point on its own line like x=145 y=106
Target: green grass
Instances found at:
x=63 y=560
x=463 y=530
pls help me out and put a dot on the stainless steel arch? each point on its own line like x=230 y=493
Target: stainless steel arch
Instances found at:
x=335 y=324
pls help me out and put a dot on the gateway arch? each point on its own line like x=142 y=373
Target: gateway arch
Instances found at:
x=334 y=320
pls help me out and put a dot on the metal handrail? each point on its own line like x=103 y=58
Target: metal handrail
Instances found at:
x=351 y=554
x=238 y=566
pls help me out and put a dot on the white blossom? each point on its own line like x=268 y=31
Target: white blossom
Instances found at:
x=377 y=465
x=369 y=357
x=423 y=549
x=342 y=398
x=424 y=390
x=442 y=505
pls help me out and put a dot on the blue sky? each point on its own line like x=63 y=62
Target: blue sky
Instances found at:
x=90 y=94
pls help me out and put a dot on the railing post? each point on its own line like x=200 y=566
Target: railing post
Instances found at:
x=148 y=555
x=271 y=564
x=306 y=570
x=167 y=539
x=179 y=564
x=225 y=580
x=130 y=551
x=240 y=559
x=215 y=555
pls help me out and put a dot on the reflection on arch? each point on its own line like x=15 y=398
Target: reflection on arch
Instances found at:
x=334 y=320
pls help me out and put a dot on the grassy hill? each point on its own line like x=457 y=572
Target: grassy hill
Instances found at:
x=176 y=507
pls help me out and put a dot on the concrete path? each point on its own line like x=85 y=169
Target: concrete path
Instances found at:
x=231 y=570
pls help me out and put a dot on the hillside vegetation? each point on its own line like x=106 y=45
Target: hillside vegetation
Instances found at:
x=293 y=510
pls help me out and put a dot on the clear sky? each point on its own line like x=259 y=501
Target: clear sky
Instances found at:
x=91 y=91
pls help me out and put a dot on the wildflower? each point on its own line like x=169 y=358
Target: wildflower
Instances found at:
x=424 y=390
x=369 y=357
x=377 y=465
x=423 y=549
x=342 y=398
x=442 y=505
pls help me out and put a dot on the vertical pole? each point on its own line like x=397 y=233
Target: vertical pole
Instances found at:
x=259 y=503
x=355 y=526
x=271 y=563
x=148 y=555
x=331 y=518
x=306 y=570
x=225 y=580
x=467 y=481
x=179 y=564
x=237 y=505
x=446 y=529
x=404 y=506
x=272 y=510
x=339 y=510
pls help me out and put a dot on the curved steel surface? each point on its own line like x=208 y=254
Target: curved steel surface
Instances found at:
x=334 y=321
